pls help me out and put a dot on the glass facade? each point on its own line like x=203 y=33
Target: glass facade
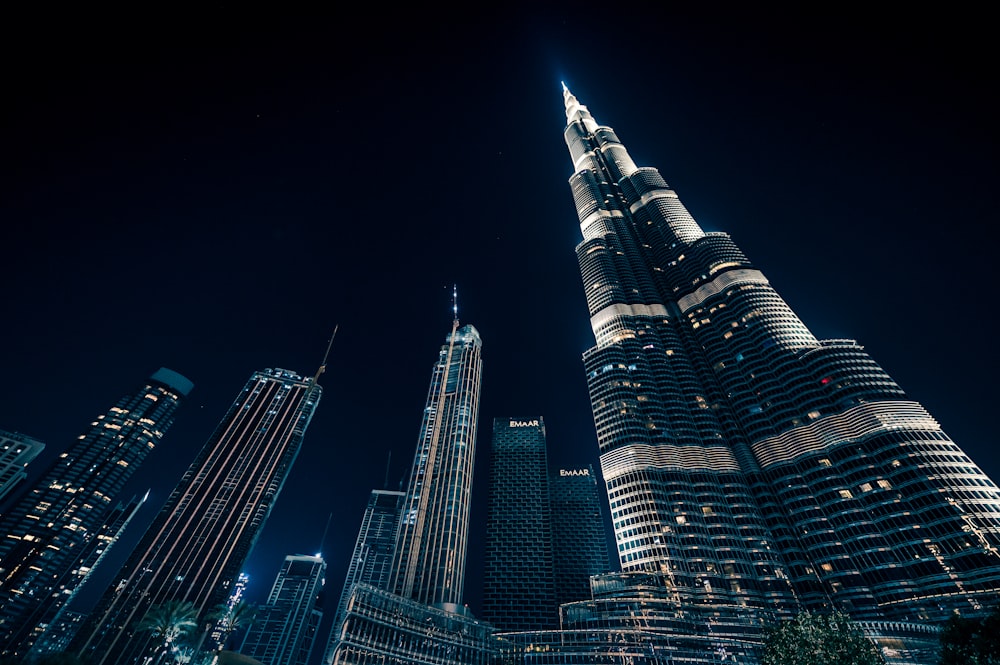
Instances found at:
x=284 y=629
x=53 y=524
x=579 y=545
x=381 y=628
x=519 y=580
x=195 y=547
x=433 y=534
x=757 y=467
x=371 y=560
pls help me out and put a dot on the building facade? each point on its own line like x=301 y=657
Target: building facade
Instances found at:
x=755 y=466
x=16 y=452
x=196 y=546
x=432 y=543
x=53 y=524
x=579 y=543
x=420 y=619
x=519 y=589
x=284 y=630
x=371 y=560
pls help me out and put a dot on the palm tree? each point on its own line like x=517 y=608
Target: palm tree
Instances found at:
x=231 y=619
x=169 y=621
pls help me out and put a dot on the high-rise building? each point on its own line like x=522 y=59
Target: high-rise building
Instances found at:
x=48 y=616
x=196 y=546
x=750 y=463
x=579 y=543
x=371 y=560
x=433 y=535
x=53 y=524
x=518 y=579
x=284 y=629
x=16 y=452
x=421 y=619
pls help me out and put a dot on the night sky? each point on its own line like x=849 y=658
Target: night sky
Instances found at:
x=215 y=192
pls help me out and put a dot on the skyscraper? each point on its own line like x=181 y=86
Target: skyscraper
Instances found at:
x=421 y=618
x=752 y=464
x=284 y=630
x=518 y=579
x=46 y=616
x=16 y=452
x=579 y=544
x=194 y=549
x=371 y=560
x=433 y=535
x=53 y=523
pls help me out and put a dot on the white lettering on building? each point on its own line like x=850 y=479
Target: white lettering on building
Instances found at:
x=524 y=423
x=574 y=472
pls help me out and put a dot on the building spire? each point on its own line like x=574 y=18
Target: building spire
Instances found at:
x=322 y=366
x=454 y=305
x=575 y=111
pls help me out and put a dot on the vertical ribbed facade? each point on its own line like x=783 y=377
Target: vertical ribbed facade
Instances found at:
x=371 y=560
x=433 y=534
x=47 y=531
x=579 y=544
x=194 y=549
x=284 y=629
x=752 y=463
x=518 y=579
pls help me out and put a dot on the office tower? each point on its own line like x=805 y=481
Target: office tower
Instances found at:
x=46 y=616
x=196 y=546
x=579 y=544
x=58 y=635
x=433 y=535
x=752 y=464
x=421 y=619
x=518 y=579
x=16 y=452
x=284 y=630
x=371 y=560
x=53 y=523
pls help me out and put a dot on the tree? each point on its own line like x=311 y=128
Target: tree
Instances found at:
x=819 y=639
x=169 y=621
x=966 y=641
x=231 y=619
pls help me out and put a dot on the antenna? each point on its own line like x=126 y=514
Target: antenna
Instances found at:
x=454 y=301
x=326 y=530
x=386 y=485
x=322 y=366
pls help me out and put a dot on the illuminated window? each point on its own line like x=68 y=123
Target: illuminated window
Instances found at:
x=845 y=494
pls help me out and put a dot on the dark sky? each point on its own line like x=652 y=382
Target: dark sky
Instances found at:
x=213 y=192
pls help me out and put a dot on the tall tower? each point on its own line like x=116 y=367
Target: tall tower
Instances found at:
x=750 y=462
x=194 y=549
x=431 y=546
x=579 y=544
x=518 y=580
x=371 y=560
x=52 y=525
x=284 y=630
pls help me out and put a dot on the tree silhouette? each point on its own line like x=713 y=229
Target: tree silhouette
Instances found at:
x=231 y=619
x=819 y=639
x=169 y=621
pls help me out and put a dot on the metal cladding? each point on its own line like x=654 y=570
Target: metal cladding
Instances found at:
x=433 y=536
x=754 y=465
